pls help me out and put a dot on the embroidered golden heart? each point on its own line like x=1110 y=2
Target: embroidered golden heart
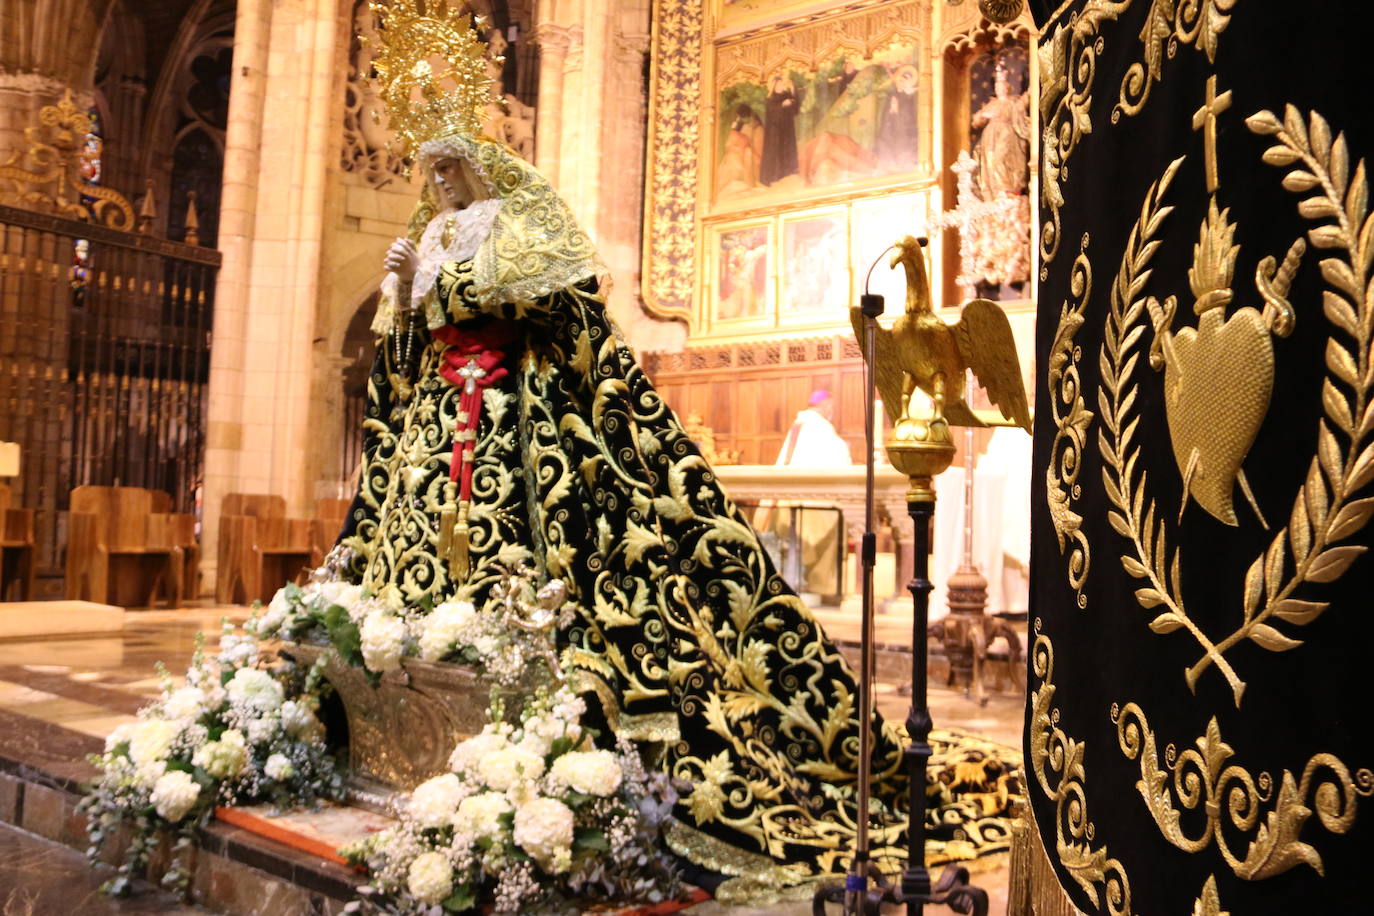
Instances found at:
x=1218 y=379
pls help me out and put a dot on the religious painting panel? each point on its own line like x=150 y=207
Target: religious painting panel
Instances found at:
x=818 y=105
x=742 y=272
x=878 y=222
x=815 y=274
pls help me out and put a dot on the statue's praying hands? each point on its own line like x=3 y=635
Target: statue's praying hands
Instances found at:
x=402 y=259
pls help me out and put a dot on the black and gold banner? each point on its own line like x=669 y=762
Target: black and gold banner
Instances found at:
x=1197 y=727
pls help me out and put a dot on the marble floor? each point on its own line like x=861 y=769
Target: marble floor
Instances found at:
x=63 y=692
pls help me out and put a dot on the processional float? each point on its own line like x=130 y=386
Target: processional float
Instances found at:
x=921 y=351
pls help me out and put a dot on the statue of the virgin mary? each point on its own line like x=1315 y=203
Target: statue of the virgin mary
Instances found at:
x=509 y=424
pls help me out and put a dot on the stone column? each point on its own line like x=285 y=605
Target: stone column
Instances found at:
x=278 y=154
x=553 y=41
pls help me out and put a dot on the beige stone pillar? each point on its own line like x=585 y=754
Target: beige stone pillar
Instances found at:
x=553 y=41
x=279 y=152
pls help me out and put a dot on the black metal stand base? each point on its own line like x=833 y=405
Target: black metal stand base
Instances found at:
x=952 y=890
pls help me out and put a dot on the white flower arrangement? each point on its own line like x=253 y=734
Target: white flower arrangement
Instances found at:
x=367 y=632
x=234 y=732
x=525 y=832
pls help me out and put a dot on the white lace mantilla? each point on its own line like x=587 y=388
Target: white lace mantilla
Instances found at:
x=452 y=235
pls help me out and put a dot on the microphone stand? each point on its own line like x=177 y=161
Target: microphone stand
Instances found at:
x=915 y=890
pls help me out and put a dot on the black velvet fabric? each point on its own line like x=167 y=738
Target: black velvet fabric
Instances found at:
x=1282 y=761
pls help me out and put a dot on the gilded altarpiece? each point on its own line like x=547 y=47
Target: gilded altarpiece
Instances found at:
x=1196 y=727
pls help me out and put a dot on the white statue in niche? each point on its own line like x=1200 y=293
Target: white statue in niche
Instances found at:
x=1000 y=242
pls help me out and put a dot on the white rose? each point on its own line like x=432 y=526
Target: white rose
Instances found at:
x=174 y=795
x=431 y=878
x=185 y=703
x=278 y=767
x=478 y=814
x=256 y=689
x=274 y=616
x=383 y=641
x=544 y=829
x=588 y=772
x=152 y=740
x=435 y=801
x=505 y=768
x=466 y=755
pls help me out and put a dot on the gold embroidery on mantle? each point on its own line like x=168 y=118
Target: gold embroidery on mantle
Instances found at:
x=1323 y=512
x=1068 y=67
x=1057 y=762
x=1203 y=781
x=1168 y=24
x=1209 y=902
x=1071 y=427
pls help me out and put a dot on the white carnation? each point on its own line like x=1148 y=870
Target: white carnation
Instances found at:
x=152 y=740
x=544 y=829
x=505 y=768
x=344 y=594
x=223 y=758
x=444 y=627
x=174 y=795
x=274 y=615
x=185 y=703
x=121 y=735
x=262 y=731
x=383 y=640
x=466 y=755
x=588 y=772
x=255 y=689
x=298 y=720
x=478 y=815
x=147 y=774
x=430 y=878
x=435 y=801
x=278 y=767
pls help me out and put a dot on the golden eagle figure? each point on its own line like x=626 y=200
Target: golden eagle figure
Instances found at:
x=924 y=351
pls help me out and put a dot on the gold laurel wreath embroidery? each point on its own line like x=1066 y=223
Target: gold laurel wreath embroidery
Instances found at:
x=1134 y=517
x=1203 y=781
x=1166 y=27
x=1322 y=514
x=1071 y=427
x=1052 y=751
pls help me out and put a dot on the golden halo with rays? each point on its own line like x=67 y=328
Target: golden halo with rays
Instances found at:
x=431 y=70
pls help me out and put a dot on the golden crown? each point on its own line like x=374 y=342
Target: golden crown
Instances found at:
x=431 y=70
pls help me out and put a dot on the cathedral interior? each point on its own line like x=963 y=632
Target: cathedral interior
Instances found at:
x=196 y=200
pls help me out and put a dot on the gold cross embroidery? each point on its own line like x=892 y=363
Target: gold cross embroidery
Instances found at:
x=1205 y=119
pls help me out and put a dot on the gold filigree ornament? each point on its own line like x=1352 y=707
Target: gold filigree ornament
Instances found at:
x=431 y=70
x=1071 y=422
x=57 y=156
x=1057 y=761
x=1324 y=512
x=1231 y=799
x=1168 y=24
x=1208 y=902
x=1068 y=68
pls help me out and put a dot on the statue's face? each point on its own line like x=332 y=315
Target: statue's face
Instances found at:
x=457 y=183
x=1002 y=86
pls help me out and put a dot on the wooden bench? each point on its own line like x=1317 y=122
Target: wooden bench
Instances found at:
x=121 y=551
x=326 y=525
x=16 y=548
x=260 y=548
